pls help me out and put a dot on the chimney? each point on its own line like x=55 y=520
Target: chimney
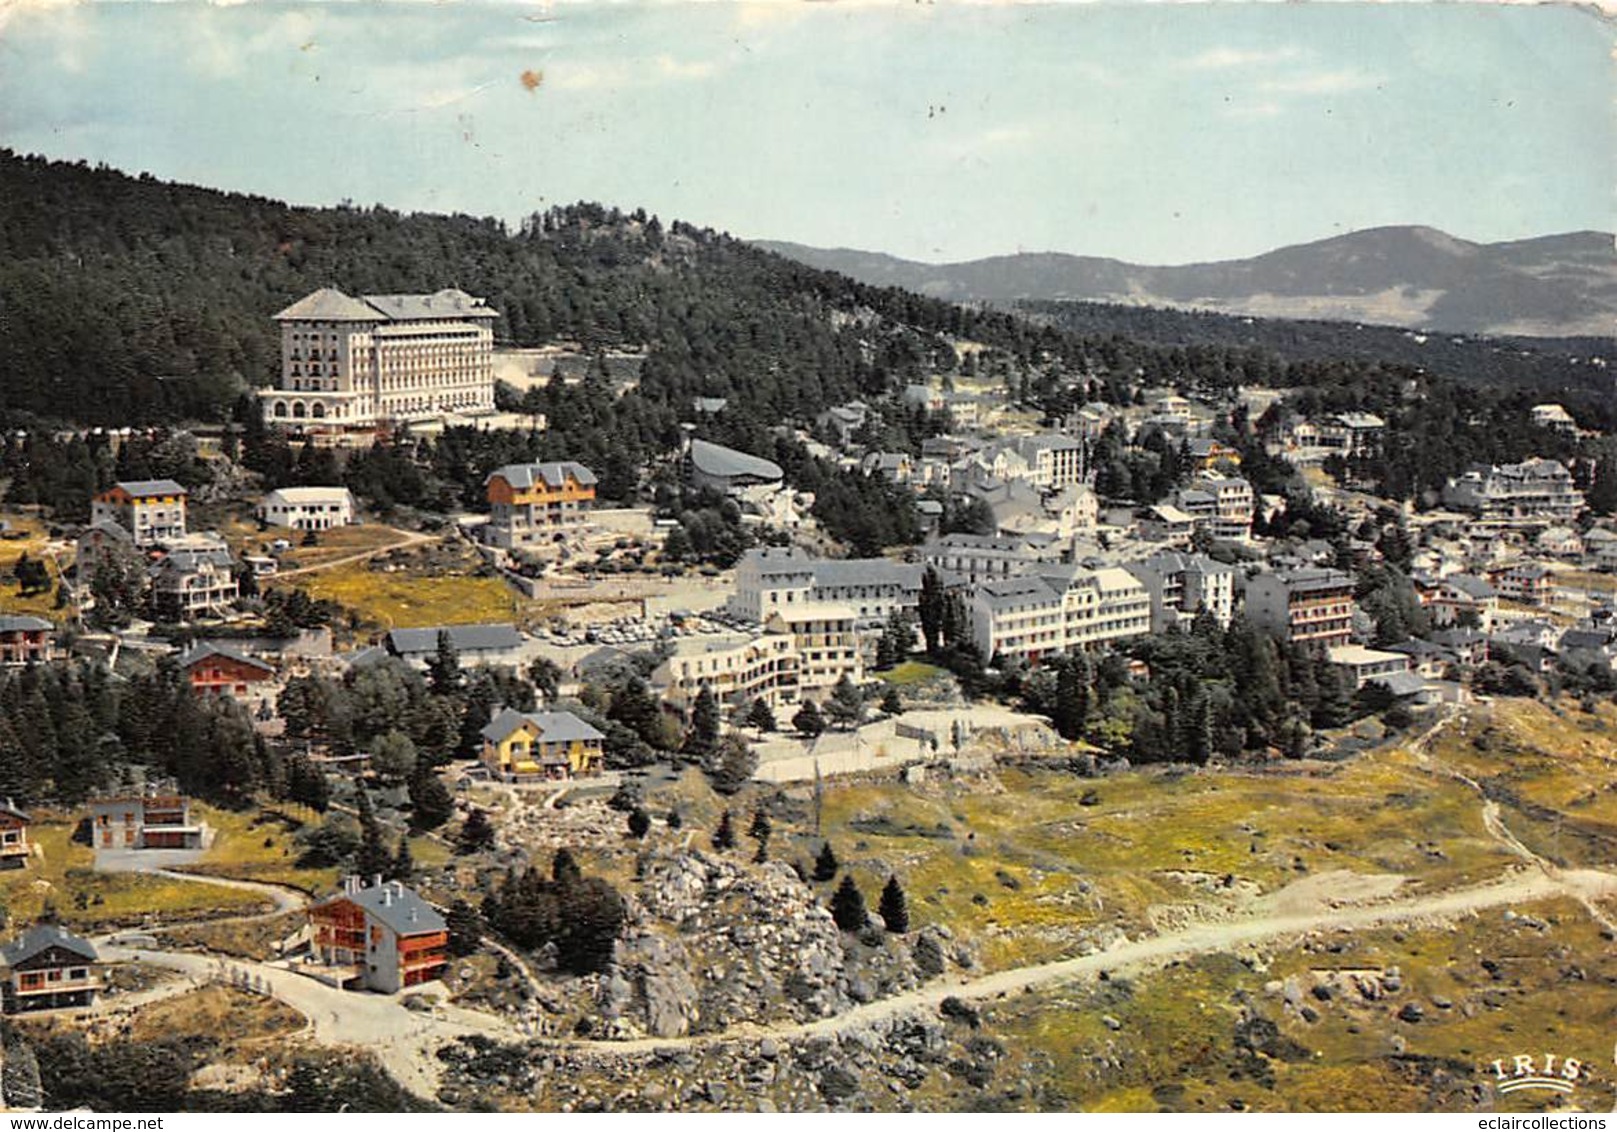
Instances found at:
x=350 y=884
x=387 y=897
x=376 y=880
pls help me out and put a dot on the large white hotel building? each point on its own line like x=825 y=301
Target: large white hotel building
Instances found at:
x=353 y=362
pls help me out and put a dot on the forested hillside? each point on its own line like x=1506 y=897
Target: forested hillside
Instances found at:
x=128 y=300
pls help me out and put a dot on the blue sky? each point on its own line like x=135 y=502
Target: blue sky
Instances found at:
x=1154 y=132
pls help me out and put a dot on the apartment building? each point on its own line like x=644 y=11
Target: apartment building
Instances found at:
x=825 y=636
x=1055 y=609
x=1221 y=505
x=1182 y=586
x=978 y=558
x=351 y=363
x=1534 y=488
x=531 y=503
x=736 y=668
x=772 y=578
x=1054 y=460
x=194 y=580
x=1312 y=606
x=152 y=511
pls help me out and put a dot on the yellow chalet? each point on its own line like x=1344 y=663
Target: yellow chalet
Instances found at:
x=530 y=503
x=539 y=745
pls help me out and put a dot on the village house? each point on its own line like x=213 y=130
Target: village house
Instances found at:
x=307 y=508
x=1207 y=454
x=218 y=670
x=1529 y=583
x=382 y=937
x=536 y=746
x=1554 y=417
x=194 y=580
x=498 y=643
x=14 y=847
x=1357 y=435
x=48 y=968
x=842 y=421
x=1313 y=606
x=25 y=640
x=350 y=363
x=154 y=820
x=1459 y=599
x=1220 y=505
x=531 y=503
x=1366 y=665
x=152 y=511
x=1165 y=523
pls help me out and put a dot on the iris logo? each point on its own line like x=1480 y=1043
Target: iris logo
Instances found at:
x=1551 y=1074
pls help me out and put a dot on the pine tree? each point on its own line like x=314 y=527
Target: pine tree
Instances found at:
x=826 y=864
x=760 y=716
x=476 y=833
x=732 y=764
x=808 y=719
x=465 y=926
x=373 y=858
x=894 y=907
x=761 y=826
x=847 y=704
x=891 y=702
x=848 y=906
x=931 y=609
x=431 y=804
x=703 y=736
x=724 y=837
x=564 y=868
x=443 y=670
x=403 y=864
x=639 y=823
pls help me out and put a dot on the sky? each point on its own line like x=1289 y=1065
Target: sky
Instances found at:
x=940 y=131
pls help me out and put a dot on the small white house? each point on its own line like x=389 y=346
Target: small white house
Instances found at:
x=308 y=508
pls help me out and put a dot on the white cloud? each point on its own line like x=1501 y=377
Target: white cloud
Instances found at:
x=1227 y=58
x=1322 y=82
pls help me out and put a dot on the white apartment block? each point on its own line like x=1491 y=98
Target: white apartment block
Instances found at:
x=1057 y=609
x=1532 y=489
x=307 y=508
x=771 y=579
x=1054 y=459
x=151 y=511
x=353 y=362
x=1221 y=505
x=825 y=636
x=1181 y=586
x=736 y=668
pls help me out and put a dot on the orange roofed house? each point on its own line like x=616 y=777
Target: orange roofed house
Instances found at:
x=529 y=503
x=382 y=937
x=152 y=511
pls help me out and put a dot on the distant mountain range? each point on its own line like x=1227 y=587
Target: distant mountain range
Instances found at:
x=1549 y=286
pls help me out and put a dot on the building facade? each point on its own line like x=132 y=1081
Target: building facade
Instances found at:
x=145 y=821
x=736 y=669
x=355 y=362
x=1313 y=606
x=774 y=578
x=530 y=503
x=1056 y=609
x=152 y=511
x=537 y=746
x=1532 y=489
x=383 y=937
x=825 y=636
x=1181 y=586
x=48 y=968
x=14 y=847
x=214 y=670
x=25 y=640
x=307 y=508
